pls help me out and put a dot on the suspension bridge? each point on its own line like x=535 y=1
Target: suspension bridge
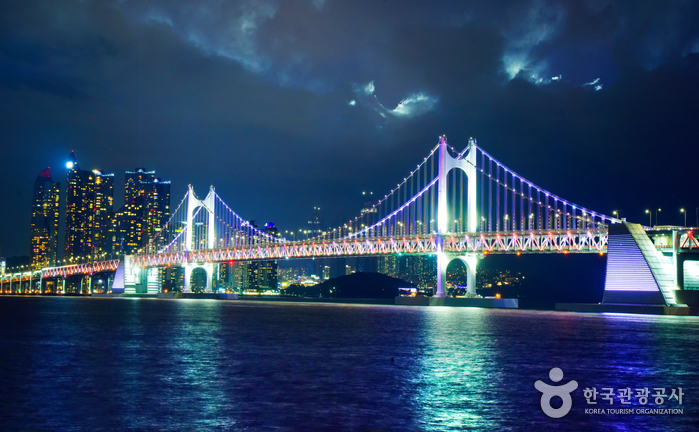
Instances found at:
x=454 y=204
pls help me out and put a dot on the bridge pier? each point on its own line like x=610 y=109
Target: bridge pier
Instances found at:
x=443 y=260
x=187 y=278
x=189 y=268
x=468 y=166
x=442 y=263
x=470 y=261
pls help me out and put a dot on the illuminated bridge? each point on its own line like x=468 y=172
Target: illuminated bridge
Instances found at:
x=454 y=204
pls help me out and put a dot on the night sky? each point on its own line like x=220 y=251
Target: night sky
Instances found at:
x=287 y=105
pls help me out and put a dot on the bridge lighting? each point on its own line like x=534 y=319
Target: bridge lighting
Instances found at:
x=685 y=217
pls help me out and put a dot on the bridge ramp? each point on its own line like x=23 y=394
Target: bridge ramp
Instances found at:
x=661 y=266
x=637 y=273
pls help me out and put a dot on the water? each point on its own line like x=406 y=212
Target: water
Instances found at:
x=198 y=365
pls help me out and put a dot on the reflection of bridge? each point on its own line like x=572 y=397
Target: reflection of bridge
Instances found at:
x=453 y=204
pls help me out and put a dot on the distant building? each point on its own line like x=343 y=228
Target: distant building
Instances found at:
x=326 y=272
x=258 y=275
x=421 y=270
x=315 y=224
x=146 y=209
x=44 y=223
x=388 y=265
x=89 y=209
x=268 y=271
x=369 y=212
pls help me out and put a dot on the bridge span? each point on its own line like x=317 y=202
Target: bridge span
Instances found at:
x=455 y=205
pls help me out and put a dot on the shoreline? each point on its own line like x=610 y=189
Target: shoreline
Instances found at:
x=484 y=303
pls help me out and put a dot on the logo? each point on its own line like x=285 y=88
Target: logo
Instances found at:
x=562 y=391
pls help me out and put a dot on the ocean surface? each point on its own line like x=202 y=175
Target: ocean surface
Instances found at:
x=102 y=364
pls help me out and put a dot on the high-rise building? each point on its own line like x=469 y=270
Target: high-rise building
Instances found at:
x=44 y=223
x=146 y=209
x=388 y=265
x=315 y=224
x=103 y=213
x=89 y=208
x=258 y=275
x=268 y=270
x=158 y=208
x=369 y=211
x=421 y=270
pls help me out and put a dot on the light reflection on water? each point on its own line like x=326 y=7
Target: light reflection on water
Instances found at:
x=114 y=364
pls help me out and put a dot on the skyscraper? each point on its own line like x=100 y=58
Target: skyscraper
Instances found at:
x=260 y=275
x=89 y=206
x=44 y=223
x=146 y=209
x=268 y=270
x=315 y=224
x=421 y=270
x=388 y=265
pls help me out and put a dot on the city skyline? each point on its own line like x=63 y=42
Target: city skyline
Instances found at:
x=45 y=220
x=594 y=102
x=85 y=218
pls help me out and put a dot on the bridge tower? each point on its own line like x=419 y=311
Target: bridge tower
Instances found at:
x=192 y=204
x=468 y=166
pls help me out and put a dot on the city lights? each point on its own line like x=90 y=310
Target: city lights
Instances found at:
x=201 y=232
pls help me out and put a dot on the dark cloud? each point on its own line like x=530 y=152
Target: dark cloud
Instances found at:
x=255 y=97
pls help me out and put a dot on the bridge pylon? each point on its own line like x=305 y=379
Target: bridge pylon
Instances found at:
x=208 y=204
x=468 y=166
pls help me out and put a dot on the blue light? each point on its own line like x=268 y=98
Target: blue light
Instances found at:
x=69 y=165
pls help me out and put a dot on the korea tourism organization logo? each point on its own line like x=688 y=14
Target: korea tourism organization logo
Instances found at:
x=562 y=391
x=641 y=401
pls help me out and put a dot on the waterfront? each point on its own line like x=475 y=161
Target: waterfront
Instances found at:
x=199 y=365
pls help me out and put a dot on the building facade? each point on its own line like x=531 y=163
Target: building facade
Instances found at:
x=315 y=224
x=44 y=222
x=146 y=209
x=388 y=265
x=88 y=213
x=421 y=270
x=258 y=276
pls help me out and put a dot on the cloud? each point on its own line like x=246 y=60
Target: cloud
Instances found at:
x=413 y=105
x=223 y=28
x=594 y=84
x=695 y=47
x=540 y=24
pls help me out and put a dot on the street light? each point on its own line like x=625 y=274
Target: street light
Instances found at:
x=616 y=213
x=685 y=217
x=656 y=216
x=650 y=216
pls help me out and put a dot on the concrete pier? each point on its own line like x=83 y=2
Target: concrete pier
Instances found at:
x=505 y=303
